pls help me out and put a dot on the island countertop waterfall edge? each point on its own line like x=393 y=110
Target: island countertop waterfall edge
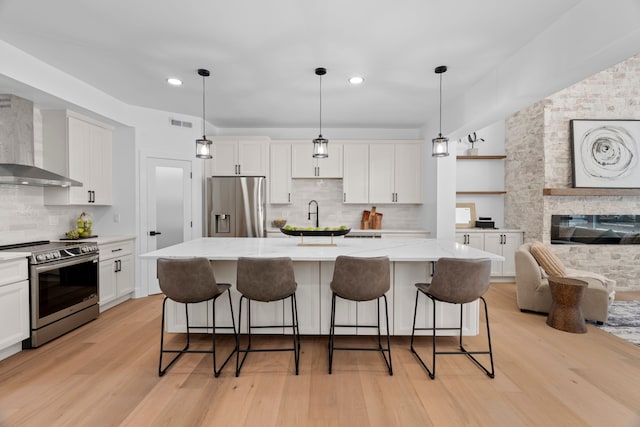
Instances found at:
x=411 y=263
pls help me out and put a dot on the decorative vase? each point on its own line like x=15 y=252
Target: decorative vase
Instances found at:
x=472 y=151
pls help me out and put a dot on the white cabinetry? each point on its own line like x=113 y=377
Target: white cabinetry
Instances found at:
x=499 y=242
x=280 y=173
x=238 y=156
x=14 y=306
x=79 y=148
x=395 y=172
x=304 y=165
x=355 y=182
x=116 y=273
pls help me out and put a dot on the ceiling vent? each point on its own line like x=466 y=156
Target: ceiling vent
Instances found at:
x=180 y=123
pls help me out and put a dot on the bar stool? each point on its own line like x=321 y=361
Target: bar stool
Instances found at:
x=189 y=281
x=361 y=279
x=455 y=281
x=267 y=280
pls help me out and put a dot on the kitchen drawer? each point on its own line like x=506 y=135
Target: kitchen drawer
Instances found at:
x=115 y=249
x=13 y=271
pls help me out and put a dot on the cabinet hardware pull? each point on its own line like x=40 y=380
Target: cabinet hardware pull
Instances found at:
x=116 y=250
x=154 y=233
x=344 y=197
x=289 y=196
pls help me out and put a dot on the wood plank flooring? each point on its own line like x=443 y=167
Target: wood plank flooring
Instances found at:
x=105 y=374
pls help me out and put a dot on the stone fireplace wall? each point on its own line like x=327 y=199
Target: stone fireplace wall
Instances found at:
x=538 y=148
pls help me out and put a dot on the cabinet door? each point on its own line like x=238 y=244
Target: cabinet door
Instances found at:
x=474 y=240
x=355 y=183
x=493 y=244
x=510 y=244
x=124 y=276
x=303 y=165
x=331 y=167
x=107 y=288
x=79 y=155
x=381 y=173
x=101 y=165
x=408 y=173
x=307 y=298
x=225 y=159
x=14 y=313
x=280 y=173
x=252 y=157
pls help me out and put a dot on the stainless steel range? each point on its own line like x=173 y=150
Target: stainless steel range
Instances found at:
x=63 y=287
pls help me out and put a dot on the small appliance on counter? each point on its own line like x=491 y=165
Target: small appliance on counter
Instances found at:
x=485 y=222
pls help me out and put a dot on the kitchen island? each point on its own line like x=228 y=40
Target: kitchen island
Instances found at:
x=411 y=262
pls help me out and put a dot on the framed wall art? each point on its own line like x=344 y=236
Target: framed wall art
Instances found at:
x=605 y=153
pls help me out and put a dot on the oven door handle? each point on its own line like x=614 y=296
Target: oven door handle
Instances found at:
x=65 y=263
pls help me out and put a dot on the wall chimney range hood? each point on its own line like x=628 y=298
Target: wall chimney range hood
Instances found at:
x=16 y=147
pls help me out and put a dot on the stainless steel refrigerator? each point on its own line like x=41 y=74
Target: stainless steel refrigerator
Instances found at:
x=235 y=206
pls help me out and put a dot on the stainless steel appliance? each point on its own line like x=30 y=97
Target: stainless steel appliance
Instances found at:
x=235 y=206
x=63 y=287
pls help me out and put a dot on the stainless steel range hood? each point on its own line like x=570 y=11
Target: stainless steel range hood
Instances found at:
x=17 y=174
x=17 y=147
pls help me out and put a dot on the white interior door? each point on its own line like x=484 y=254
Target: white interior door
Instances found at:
x=168 y=208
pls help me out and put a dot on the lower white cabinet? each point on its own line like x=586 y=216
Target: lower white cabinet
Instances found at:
x=14 y=306
x=500 y=242
x=116 y=273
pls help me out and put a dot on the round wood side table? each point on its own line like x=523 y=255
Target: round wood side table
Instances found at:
x=566 y=309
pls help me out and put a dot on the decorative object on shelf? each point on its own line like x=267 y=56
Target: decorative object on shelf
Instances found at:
x=203 y=146
x=320 y=144
x=605 y=153
x=472 y=139
x=485 y=222
x=465 y=215
x=440 y=145
x=279 y=223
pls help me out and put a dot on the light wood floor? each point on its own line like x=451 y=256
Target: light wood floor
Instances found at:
x=105 y=374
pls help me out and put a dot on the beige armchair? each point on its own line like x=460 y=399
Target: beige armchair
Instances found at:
x=533 y=293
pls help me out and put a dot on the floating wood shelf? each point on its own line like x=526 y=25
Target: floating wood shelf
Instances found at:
x=480 y=192
x=591 y=191
x=493 y=157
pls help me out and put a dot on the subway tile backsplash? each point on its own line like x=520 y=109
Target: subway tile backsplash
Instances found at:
x=328 y=194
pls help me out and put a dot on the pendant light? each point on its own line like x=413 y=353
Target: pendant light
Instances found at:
x=440 y=147
x=320 y=144
x=203 y=146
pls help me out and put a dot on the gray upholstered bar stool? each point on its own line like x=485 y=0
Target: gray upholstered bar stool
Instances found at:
x=267 y=280
x=455 y=281
x=190 y=281
x=361 y=279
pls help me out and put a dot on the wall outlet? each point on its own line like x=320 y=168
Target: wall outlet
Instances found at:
x=116 y=218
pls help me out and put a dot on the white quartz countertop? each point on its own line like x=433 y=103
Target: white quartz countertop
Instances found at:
x=396 y=249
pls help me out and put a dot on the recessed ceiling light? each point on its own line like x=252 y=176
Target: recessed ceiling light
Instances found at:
x=173 y=81
x=356 y=80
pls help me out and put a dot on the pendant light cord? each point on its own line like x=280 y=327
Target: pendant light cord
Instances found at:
x=440 y=129
x=203 y=108
x=320 y=105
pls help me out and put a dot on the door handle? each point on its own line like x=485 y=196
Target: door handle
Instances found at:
x=154 y=233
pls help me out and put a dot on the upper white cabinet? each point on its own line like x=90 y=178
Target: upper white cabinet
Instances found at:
x=355 y=181
x=238 y=156
x=304 y=165
x=280 y=173
x=79 y=148
x=395 y=172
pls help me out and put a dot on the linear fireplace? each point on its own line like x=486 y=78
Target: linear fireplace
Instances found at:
x=595 y=229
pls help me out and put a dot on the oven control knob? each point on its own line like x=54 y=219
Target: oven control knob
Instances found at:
x=56 y=255
x=40 y=257
x=83 y=249
x=48 y=256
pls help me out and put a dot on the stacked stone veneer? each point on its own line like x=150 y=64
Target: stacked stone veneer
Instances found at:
x=538 y=148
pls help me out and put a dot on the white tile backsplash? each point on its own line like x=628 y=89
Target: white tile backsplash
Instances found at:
x=328 y=194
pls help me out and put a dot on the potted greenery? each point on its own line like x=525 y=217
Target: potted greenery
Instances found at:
x=472 y=139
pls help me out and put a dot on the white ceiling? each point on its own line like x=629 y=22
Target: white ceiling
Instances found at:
x=262 y=53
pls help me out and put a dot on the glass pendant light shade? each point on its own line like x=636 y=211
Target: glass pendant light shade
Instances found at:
x=320 y=147
x=203 y=146
x=320 y=144
x=440 y=145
